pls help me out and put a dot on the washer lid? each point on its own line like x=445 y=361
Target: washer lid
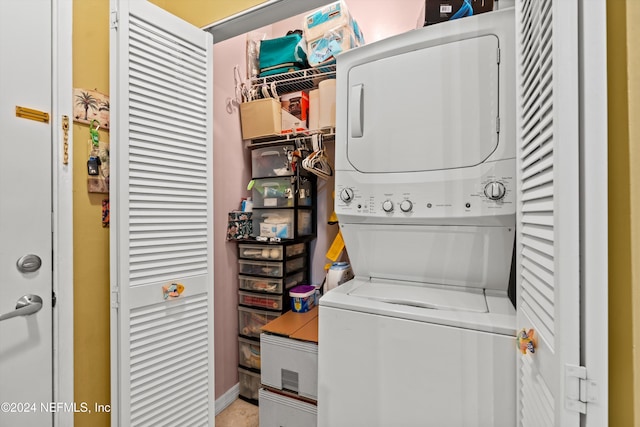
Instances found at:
x=424 y=296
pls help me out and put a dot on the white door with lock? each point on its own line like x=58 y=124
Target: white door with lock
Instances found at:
x=26 y=385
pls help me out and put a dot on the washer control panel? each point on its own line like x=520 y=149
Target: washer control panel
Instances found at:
x=473 y=195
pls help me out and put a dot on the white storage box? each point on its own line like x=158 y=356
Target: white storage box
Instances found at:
x=289 y=364
x=277 y=410
x=271 y=161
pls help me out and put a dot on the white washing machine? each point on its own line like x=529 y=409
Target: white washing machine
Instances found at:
x=424 y=335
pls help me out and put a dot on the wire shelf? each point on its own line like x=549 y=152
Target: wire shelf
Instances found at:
x=328 y=135
x=297 y=80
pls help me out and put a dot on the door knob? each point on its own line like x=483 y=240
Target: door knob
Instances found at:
x=26 y=305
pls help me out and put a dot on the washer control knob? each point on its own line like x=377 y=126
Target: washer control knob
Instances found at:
x=346 y=195
x=406 y=206
x=387 y=206
x=495 y=190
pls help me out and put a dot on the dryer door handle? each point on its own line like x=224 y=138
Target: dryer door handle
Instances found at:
x=356 y=106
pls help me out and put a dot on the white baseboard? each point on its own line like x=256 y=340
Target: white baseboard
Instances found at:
x=227 y=398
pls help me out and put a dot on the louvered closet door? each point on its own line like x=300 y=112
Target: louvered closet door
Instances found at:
x=161 y=219
x=548 y=218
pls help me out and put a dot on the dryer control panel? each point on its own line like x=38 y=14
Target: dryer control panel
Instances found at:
x=486 y=190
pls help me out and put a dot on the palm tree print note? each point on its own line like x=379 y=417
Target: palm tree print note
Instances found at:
x=86 y=101
x=89 y=105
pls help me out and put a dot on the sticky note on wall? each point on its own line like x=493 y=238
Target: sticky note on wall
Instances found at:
x=336 y=248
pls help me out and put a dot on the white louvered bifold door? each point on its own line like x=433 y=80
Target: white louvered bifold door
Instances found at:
x=161 y=219
x=548 y=216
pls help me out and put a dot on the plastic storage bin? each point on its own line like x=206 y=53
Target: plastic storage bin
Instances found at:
x=251 y=321
x=271 y=269
x=249 y=384
x=261 y=300
x=271 y=161
x=248 y=353
x=277 y=410
x=270 y=252
x=269 y=285
x=303 y=298
x=281 y=192
x=279 y=222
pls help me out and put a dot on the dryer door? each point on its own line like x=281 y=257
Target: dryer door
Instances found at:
x=428 y=109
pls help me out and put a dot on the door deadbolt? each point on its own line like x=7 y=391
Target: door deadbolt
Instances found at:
x=29 y=263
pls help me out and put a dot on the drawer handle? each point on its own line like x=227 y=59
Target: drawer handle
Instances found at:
x=270 y=153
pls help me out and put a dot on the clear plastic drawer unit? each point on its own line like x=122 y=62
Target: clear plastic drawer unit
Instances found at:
x=270 y=252
x=270 y=285
x=282 y=192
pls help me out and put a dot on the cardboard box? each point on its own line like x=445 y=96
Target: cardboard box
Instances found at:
x=261 y=118
x=295 y=110
x=331 y=16
x=443 y=10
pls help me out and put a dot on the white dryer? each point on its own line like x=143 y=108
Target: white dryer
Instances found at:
x=424 y=335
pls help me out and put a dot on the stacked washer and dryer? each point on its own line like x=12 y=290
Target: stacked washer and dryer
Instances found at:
x=424 y=335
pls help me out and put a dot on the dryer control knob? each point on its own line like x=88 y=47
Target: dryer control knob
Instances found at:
x=495 y=190
x=406 y=206
x=387 y=206
x=346 y=195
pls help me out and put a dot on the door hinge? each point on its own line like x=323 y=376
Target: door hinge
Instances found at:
x=114 y=19
x=54 y=299
x=115 y=299
x=579 y=390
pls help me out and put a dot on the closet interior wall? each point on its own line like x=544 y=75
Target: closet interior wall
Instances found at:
x=378 y=19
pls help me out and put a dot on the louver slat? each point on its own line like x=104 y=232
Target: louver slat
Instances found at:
x=539 y=412
x=537 y=195
x=157 y=348
x=165 y=361
x=537 y=160
x=183 y=129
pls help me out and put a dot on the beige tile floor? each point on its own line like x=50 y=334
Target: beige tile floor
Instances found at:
x=238 y=414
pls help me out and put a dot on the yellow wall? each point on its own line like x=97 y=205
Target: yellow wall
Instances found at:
x=203 y=12
x=91 y=241
x=633 y=67
x=624 y=208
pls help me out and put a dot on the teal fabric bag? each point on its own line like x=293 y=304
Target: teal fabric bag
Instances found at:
x=283 y=54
